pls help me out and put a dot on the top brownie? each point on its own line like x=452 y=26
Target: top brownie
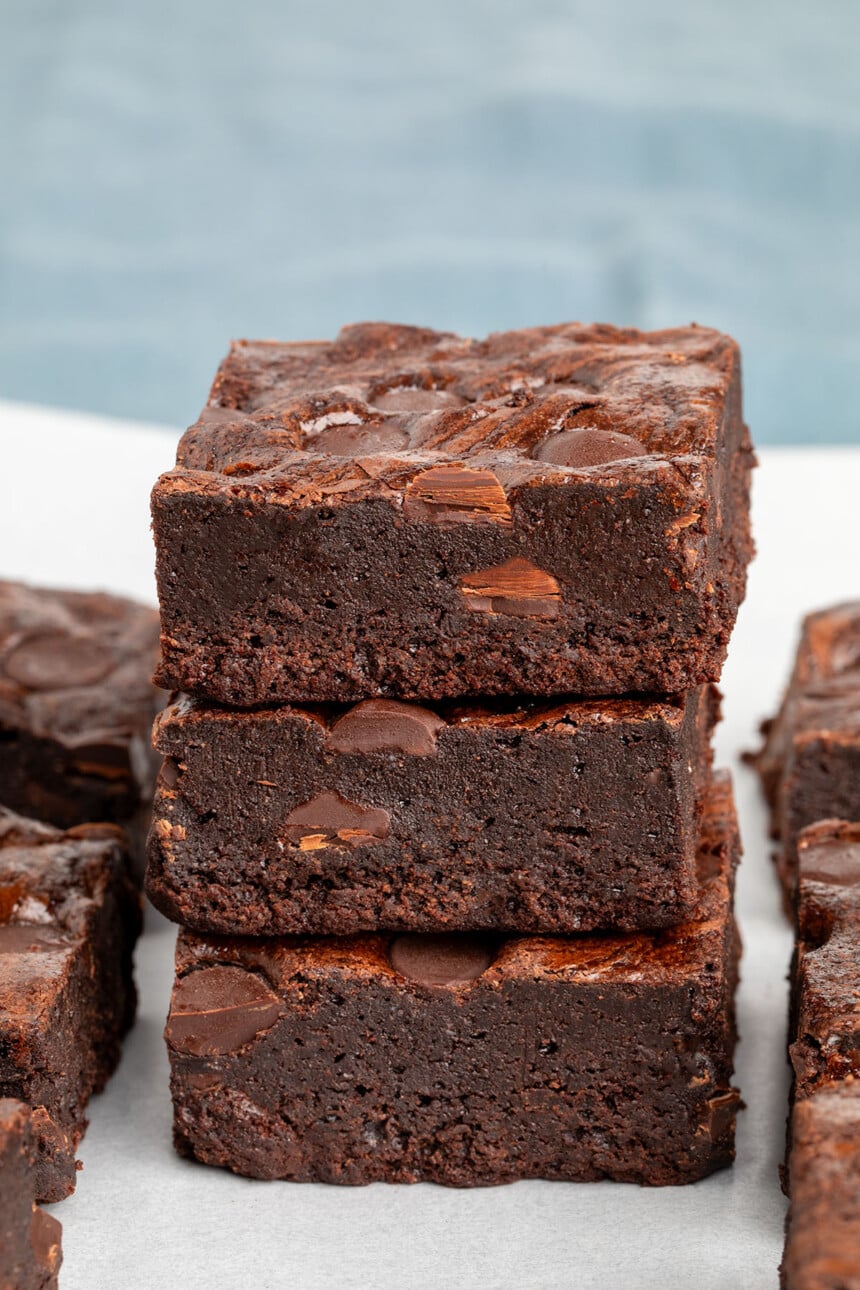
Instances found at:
x=406 y=513
x=76 y=705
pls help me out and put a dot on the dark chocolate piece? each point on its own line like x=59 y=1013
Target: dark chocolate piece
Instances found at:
x=76 y=707
x=30 y=1240
x=466 y=1061
x=825 y=1027
x=810 y=762
x=404 y=513
x=389 y=816
x=822 y=1248
x=69 y=917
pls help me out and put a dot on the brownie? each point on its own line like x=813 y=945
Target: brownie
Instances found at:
x=825 y=1025
x=466 y=1058
x=76 y=707
x=822 y=1249
x=398 y=817
x=810 y=761
x=30 y=1239
x=69 y=917
x=404 y=513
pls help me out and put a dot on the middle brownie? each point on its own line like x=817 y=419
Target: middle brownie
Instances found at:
x=388 y=816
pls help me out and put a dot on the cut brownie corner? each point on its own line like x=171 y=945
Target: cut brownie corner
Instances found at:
x=69 y=918
x=30 y=1240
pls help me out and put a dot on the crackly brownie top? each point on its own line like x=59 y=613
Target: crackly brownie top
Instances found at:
x=516 y=408
x=51 y=883
x=76 y=666
x=825 y=687
x=228 y=988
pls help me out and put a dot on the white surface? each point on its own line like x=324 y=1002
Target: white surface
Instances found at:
x=73 y=510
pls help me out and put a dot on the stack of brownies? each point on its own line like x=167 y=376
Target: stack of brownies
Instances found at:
x=437 y=812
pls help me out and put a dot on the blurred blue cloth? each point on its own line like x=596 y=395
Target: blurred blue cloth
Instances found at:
x=178 y=172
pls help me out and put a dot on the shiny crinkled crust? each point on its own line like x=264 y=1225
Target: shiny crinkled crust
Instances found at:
x=408 y=514
x=76 y=706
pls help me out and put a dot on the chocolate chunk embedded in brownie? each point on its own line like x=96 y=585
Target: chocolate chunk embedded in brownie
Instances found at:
x=541 y=817
x=405 y=513
x=466 y=1059
x=76 y=707
x=822 y=1248
x=810 y=762
x=30 y=1240
x=69 y=917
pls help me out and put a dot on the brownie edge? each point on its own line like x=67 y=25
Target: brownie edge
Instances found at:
x=30 y=1240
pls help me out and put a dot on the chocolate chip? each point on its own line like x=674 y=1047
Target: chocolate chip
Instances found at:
x=45 y=1240
x=58 y=661
x=442 y=959
x=588 y=447
x=836 y=863
x=218 y=1010
x=516 y=587
x=384 y=725
x=329 y=819
x=722 y=1113
x=451 y=494
x=169 y=773
x=405 y=399
x=358 y=440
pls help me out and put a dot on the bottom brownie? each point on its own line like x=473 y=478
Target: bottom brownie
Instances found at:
x=30 y=1249
x=822 y=1247
x=69 y=917
x=464 y=1059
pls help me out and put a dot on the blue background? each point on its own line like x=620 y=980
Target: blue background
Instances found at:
x=177 y=172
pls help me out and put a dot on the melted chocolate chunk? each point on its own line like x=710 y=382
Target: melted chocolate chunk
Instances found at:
x=441 y=959
x=384 y=725
x=219 y=1010
x=588 y=447
x=329 y=819
x=58 y=661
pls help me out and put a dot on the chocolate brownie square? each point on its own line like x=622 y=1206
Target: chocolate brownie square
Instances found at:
x=822 y=1248
x=69 y=918
x=466 y=1059
x=810 y=761
x=76 y=707
x=825 y=1025
x=408 y=514
x=387 y=816
x=30 y=1240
